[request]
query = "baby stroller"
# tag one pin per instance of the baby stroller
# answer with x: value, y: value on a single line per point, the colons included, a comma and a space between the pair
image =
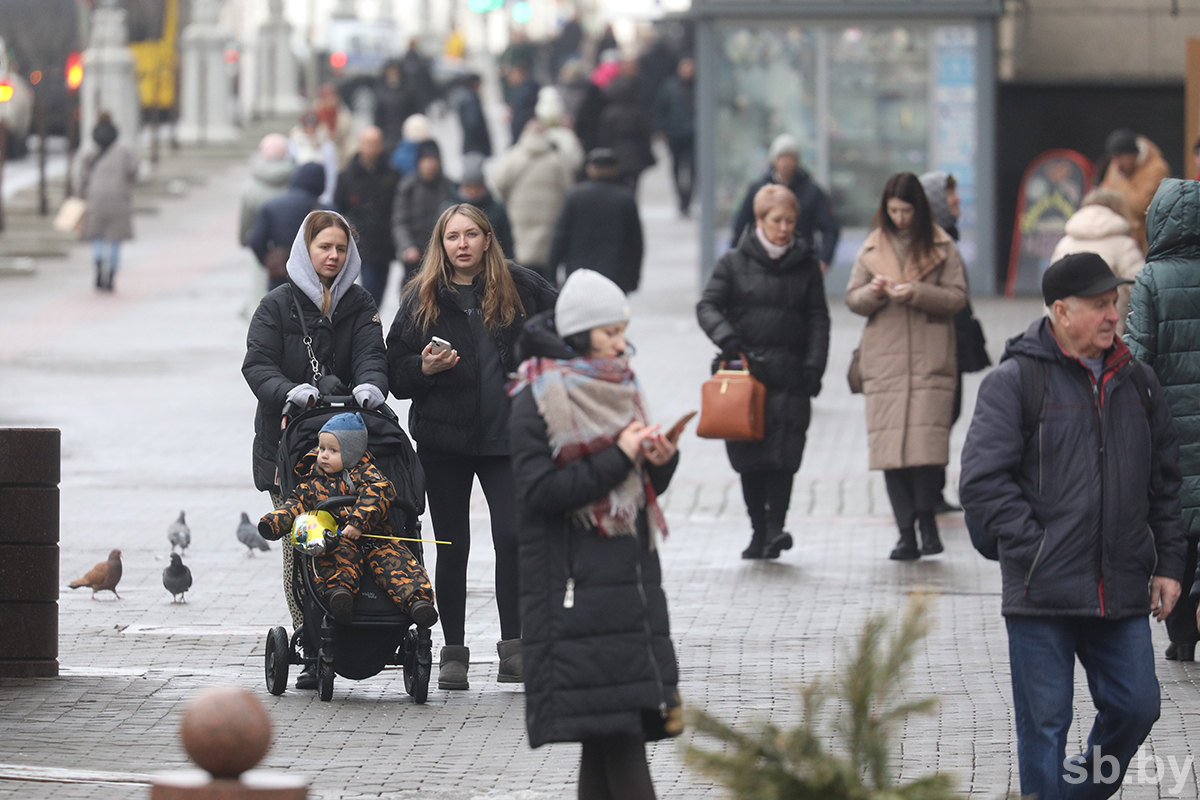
x: 379, y: 634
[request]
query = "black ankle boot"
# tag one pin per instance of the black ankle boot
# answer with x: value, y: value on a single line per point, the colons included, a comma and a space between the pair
x: 1181, y: 652
x: 308, y: 676
x: 931, y: 543
x: 755, y: 548
x: 778, y: 541
x: 906, y: 549
x: 99, y: 274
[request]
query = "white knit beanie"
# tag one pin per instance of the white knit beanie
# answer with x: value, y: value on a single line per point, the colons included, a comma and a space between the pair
x: 589, y: 300
x: 784, y: 143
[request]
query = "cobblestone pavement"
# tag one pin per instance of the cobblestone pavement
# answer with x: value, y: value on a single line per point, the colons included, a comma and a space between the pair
x: 146, y: 388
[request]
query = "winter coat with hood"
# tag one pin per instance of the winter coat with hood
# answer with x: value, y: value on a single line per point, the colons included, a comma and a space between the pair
x: 106, y: 177
x: 533, y: 180
x: 348, y: 344
x: 280, y: 219
x: 445, y: 415
x: 908, y: 356
x: 816, y: 214
x: 1100, y: 230
x: 365, y: 196
x: 774, y: 311
x: 415, y: 209
x: 1164, y: 323
x: 625, y: 128
x: 605, y: 665
x: 268, y: 180
x: 1139, y: 188
x: 1080, y: 521
x: 600, y: 229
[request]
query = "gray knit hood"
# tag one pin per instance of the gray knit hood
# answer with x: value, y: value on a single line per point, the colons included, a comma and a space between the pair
x: 934, y: 184
x: 300, y: 269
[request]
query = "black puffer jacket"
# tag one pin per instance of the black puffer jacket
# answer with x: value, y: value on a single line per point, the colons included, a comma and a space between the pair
x: 600, y: 229
x: 280, y: 218
x: 365, y: 196
x: 1081, y: 528
x: 350, y: 346
x: 606, y: 665
x: 775, y: 312
x: 445, y: 412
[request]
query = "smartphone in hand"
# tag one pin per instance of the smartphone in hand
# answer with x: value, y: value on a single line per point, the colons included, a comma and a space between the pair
x: 438, y: 346
x: 676, y: 430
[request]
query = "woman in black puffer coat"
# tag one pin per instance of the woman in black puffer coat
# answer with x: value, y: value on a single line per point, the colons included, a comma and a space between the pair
x: 468, y: 295
x: 600, y: 668
x: 766, y: 300
x: 347, y: 341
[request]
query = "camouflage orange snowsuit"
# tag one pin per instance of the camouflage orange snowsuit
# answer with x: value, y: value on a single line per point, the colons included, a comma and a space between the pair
x: 394, y: 567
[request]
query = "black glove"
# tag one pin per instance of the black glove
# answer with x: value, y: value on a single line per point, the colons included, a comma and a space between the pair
x: 732, y: 349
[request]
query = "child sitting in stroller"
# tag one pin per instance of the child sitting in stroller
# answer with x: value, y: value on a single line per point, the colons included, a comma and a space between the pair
x: 341, y: 466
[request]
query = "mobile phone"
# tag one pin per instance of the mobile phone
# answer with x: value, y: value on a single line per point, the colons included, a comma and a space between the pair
x: 439, y: 345
x: 677, y: 429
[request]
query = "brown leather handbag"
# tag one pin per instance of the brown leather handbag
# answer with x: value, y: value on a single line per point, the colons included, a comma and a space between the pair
x: 732, y: 405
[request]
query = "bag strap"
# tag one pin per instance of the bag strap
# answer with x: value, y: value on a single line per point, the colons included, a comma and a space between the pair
x: 745, y: 364
x: 1146, y: 396
x: 1033, y: 394
x: 313, y: 363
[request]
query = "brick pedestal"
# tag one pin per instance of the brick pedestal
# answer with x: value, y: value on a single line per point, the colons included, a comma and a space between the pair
x: 257, y: 784
x: 29, y: 476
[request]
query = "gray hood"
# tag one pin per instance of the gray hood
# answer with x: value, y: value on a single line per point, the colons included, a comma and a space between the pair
x: 275, y: 174
x: 934, y: 184
x: 302, y: 273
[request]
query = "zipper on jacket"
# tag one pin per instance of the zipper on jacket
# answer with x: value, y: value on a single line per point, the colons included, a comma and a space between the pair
x: 662, y: 691
x: 569, y: 594
x: 1036, y: 557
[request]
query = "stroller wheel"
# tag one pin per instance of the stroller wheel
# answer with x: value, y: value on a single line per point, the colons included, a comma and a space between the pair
x: 418, y: 664
x: 324, y: 678
x: 277, y: 657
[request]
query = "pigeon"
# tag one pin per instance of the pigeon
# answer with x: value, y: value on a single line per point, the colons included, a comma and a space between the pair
x: 179, y: 533
x: 103, y: 577
x: 248, y: 535
x: 177, y: 579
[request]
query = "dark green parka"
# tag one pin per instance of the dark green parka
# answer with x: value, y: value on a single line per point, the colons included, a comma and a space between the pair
x: 1164, y: 323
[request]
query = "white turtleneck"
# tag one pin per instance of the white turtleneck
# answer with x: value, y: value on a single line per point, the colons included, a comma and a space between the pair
x: 774, y: 251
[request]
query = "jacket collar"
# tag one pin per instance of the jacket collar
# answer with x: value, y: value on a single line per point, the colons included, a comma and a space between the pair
x: 879, y: 256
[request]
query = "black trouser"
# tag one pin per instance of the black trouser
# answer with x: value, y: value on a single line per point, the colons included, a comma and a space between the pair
x: 767, y: 494
x: 913, y: 491
x: 1181, y: 622
x: 683, y: 165
x: 448, y: 485
x: 615, y: 768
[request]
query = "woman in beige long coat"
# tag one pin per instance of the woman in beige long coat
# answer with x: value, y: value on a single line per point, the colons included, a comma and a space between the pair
x: 908, y: 281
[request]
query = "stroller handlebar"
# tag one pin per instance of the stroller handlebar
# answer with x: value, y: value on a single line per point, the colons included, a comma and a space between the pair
x: 324, y: 400
x: 336, y: 502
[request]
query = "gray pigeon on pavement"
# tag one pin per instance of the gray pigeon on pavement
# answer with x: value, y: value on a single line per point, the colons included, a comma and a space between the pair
x: 177, y: 579
x: 248, y: 535
x: 179, y: 533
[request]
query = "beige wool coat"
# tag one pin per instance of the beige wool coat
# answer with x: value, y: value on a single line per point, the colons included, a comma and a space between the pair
x: 908, y: 357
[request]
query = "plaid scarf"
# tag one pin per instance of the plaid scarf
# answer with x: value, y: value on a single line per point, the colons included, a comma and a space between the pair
x: 586, y: 403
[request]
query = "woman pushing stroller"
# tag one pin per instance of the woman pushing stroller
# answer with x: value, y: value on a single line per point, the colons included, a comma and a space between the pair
x: 341, y: 466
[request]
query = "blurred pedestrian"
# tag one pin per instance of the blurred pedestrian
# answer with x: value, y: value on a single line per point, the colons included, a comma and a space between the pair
x: 908, y: 281
x: 419, y: 197
x: 588, y: 468
x: 599, y: 227
x: 476, y: 137
x: 675, y: 119
x: 520, y: 52
x: 941, y: 189
x: 269, y: 176
x: 766, y: 302
x: 1164, y: 332
x: 608, y: 42
x: 394, y: 104
x: 1102, y: 226
x: 1136, y: 166
x: 523, y: 97
x: 108, y: 169
x: 568, y: 44
x: 468, y: 295
x: 416, y: 129
x: 533, y: 179
x: 657, y: 62
x: 816, y: 213
x: 608, y: 68
x: 584, y: 102
x: 473, y: 189
x: 625, y: 129
x: 309, y: 143
x: 278, y: 220
x: 337, y: 120
x: 365, y: 192
x: 419, y: 75
x: 340, y: 329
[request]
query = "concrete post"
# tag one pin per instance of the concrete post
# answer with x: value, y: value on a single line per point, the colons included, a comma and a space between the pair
x: 29, y: 476
x: 278, y: 76
x: 109, y: 81
x: 206, y: 102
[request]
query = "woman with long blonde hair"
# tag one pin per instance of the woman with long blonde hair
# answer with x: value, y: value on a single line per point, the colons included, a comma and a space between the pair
x: 450, y: 350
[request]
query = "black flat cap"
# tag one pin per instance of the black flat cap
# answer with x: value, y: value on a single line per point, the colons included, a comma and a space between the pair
x: 1078, y: 275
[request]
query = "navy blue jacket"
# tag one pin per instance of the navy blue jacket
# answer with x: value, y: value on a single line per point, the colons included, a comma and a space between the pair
x: 815, y: 213
x: 1080, y: 526
x: 280, y: 218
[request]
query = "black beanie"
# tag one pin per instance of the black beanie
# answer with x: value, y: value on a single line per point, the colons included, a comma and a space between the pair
x: 429, y: 149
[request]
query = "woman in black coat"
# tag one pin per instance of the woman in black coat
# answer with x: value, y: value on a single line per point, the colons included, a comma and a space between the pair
x: 320, y: 298
x: 600, y: 668
x: 466, y: 294
x: 766, y: 301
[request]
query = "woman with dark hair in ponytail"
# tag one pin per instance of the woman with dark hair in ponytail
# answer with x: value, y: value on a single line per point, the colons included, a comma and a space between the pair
x: 908, y: 282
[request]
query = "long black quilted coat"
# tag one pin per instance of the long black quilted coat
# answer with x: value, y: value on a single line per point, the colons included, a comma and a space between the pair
x: 1164, y: 323
x: 776, y: 309
x: 605, y: 665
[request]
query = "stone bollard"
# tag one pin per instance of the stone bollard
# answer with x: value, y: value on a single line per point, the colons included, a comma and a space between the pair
x: 29, y: 475
x: 227, y: 731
